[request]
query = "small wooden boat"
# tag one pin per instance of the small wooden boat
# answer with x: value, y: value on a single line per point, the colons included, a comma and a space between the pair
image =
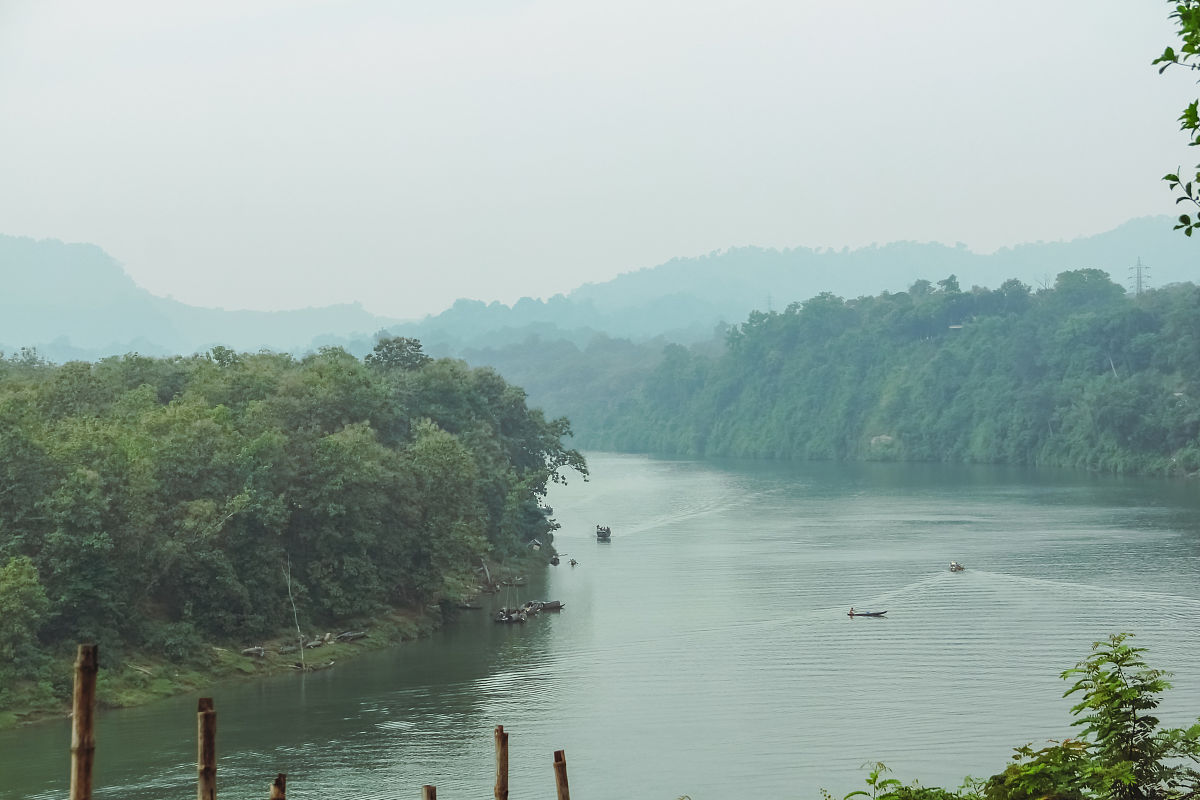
x: 551, y: 605
x: 854, y: 613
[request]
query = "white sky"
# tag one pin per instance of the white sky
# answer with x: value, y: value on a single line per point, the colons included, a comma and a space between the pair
x: 284, y: 153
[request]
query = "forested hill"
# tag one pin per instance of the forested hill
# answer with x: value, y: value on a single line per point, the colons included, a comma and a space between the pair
x: 154, y: 505
x: 684, y: 299
x: 74, y: 301
x: 1079, y: 374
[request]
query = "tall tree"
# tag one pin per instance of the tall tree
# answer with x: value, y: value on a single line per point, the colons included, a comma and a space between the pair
x: 23, y: 606
x: 397, y: 352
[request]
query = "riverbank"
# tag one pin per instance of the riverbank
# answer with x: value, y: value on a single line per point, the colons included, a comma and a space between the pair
x: 137, y: 677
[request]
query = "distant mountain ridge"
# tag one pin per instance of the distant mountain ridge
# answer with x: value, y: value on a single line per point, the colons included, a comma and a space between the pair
x: 683, y: 299
x: 74, y: 301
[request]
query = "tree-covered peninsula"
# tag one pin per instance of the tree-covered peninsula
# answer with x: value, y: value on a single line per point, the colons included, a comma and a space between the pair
x: 157, y: 506
x: 1079, y: 373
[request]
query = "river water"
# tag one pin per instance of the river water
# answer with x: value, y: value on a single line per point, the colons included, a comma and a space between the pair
x: 706, y: 649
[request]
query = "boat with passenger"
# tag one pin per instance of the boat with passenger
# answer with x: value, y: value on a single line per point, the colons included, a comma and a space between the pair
x: 956, y: 567
x: 854, y: 613
x: 603, y: 533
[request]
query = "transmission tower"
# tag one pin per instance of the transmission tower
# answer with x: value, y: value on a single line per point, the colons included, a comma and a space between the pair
x: 1139, y: 273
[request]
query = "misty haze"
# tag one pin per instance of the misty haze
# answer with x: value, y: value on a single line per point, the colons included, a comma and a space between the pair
x: 655, y: 401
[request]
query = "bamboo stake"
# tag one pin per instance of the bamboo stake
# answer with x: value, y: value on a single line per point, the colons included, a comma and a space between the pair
x: 83, y: 735
x: 295, y: 617
x: 279, y: 787
x: 428, y: 793
x: 206, y: 750
x: 501, y: 763
x: 560, y: 775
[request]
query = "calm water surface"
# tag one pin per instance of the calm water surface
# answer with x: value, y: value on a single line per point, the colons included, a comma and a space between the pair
x: 706, y: 650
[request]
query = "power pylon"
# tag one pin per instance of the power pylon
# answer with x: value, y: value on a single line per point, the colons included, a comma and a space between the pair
x: 1139, y: 273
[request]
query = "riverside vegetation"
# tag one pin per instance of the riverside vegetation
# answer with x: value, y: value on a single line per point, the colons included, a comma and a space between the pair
x: 1122, y: 752
x: 159, y: 507
x: 1079, y: 373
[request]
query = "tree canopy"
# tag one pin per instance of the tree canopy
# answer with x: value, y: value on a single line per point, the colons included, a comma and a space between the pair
x: 153, y: 503
x: 1078, y: 373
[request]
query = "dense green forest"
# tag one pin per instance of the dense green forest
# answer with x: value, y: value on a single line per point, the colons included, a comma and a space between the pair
x: 153, y: 505
x: 1079, y: 374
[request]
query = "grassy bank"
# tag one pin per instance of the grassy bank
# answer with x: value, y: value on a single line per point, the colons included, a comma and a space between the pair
x: 139, y: 677
x: 135, y: 678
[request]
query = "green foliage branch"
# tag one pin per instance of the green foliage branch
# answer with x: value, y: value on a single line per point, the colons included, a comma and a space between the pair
x: 1186, y: 15
x: 1122, y: 752
x: 1132, y: 758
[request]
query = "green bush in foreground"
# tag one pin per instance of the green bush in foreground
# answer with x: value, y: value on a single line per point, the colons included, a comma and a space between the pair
x: 1121, y: 752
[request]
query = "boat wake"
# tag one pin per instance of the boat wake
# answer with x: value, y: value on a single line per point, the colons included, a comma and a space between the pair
x: 687, y: 513
x: 1099, y: 592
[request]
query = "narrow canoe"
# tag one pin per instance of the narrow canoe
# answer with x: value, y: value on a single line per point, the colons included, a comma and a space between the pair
x: 866, y: 613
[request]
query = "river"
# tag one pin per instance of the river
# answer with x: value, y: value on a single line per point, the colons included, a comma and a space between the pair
x: 706, y: 649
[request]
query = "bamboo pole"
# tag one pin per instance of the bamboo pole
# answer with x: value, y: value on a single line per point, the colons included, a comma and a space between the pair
x: 428, y: 793
x: 279, y: 787
x: 83, y: 735
x: 501, y: 792
x: 560, y: 775
x: 206, y: 750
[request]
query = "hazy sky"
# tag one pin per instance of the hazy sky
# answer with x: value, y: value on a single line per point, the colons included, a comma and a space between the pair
x: 278, y: 154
